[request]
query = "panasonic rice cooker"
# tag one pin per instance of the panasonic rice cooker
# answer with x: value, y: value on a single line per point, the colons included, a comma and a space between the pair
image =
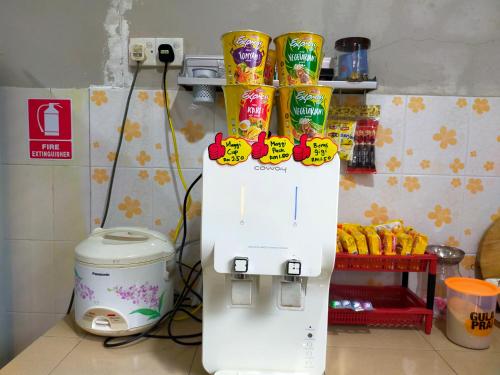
x: 123, y: 280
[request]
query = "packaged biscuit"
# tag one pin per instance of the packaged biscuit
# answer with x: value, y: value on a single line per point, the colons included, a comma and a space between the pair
x: 359, y: 238
x: 388, y: 241
x: 394, y: 226
x: 347, y: 241
x: 419, y: 244
x: 373, y: 240
x: 341, y: 132
x: 404, y: 243
x: 339, y: 245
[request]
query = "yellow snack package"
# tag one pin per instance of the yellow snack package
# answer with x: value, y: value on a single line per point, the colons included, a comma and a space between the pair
x: 373, y: 240
x: 404, y: 243
x: 347, y: 241
x: 419, y: 245
x: 359, y: 238
x: 341, y: 132
x: 394, y: 226
x: 339, y: 245
x: 388, y: 241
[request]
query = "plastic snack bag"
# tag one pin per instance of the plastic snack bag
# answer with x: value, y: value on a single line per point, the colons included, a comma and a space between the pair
x: 346, y: 304
x: 341, y: 126
x: 363, y: 155
x: 359, y: 238
x: 404, y: 243
x: 347, y: 241
x: 373, y: 240
x: 335, y: 304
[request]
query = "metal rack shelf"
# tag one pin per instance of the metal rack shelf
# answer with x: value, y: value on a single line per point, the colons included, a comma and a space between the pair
x: 339, y: 86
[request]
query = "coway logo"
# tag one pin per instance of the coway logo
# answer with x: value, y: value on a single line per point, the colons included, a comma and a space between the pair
x: 269, y: 168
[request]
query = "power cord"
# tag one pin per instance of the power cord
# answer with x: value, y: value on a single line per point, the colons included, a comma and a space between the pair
x: 115, y: 163
x: 113, y: 342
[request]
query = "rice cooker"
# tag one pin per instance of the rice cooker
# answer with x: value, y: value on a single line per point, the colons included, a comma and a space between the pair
x: 123, y: 280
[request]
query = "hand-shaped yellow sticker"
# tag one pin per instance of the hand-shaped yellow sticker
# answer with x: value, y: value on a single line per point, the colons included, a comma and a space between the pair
x: 323, y: 150
x: 280, y: 150
x: 237, y: 151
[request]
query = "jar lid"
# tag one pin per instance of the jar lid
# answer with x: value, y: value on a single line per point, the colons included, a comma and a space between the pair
x: 123, y: 246
x: 352, y: 44
x: 474, y: 287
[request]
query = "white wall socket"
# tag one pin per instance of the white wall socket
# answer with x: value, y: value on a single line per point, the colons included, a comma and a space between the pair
x: 152, y: 50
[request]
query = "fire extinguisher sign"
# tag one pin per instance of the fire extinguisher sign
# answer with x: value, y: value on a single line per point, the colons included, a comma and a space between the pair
x: 49, y: 122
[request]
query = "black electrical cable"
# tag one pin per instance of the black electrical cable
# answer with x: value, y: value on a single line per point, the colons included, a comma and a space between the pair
x: 115, y: 162
x: 120, y: 141
x: 113, y: 342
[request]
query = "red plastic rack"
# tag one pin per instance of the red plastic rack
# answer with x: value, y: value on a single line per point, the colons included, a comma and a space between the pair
x: 393, y: 305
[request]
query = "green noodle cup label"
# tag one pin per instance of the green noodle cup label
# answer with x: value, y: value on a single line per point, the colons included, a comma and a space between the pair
x: 299, y: 58
x: 303, y: 110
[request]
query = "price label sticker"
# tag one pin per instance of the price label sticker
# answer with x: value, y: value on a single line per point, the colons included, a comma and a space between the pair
x: 280, y: 150
x: 237, y: 150
x: 323, y: 150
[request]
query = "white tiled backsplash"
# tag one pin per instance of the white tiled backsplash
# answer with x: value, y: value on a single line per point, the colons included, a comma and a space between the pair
x: 438, y: 160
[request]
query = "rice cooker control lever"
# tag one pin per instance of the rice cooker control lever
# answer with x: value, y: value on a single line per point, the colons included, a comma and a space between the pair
x: 240, y: 265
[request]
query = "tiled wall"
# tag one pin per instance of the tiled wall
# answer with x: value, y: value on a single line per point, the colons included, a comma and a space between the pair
x: 438, y: 160
x: 46, y: 212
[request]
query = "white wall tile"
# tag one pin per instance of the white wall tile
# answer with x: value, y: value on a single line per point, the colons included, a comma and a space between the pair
x: 30, y: 276
x: 166, y: 210
x: 390, y: 134
x: 372, y: 198
x: 426, y: 117
x: 14, y: 120
x: 28, y: 202
x: 64, y: 258
x: 80, y: 122
x: 483, y: 153
x: 480, y: 209
x: 71, y: 203
x: 427, y: 193
x: 14, y: 123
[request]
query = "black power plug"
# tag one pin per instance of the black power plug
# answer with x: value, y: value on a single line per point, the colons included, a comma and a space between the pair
x: 166, y: 53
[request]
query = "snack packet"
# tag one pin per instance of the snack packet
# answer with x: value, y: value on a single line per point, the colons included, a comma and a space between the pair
x: 347, y: 241
x: 335, y: 304
x: 404, y: 243
x: 367, y: 306
x: 419, y: 244
x: 363, y: 154
x: 346, y: 304
x: 341, y: 131
x: 394, y: 226
x: 359, y: 238
x: 388, y: 241
x: 373, y: 240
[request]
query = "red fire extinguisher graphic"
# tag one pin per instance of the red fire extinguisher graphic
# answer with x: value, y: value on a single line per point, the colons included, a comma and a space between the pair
x: 50, y: 124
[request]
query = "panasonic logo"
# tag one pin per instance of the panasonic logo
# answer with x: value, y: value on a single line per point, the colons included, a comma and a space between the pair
x: 269, y: 168
x: 100, y: 274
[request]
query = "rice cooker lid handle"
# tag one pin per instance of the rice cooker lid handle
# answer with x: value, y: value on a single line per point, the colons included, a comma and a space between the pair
x: 127, y: 234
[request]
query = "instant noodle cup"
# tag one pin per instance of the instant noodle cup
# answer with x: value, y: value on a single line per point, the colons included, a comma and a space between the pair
x: 299, y: 56
x: 303, y: 110
x: 270, y: 66
x: 245, y: 54
x: 248, y: 110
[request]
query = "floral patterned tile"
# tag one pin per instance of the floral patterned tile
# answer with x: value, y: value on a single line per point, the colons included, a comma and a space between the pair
x: 166, y: 206
x: 131, y: 199
x: 146, y: 130
x: 433, y: 205
x: 194, y: 128
x: 483, y: 156
x: 435, y: 135
x: 369, y: 199
x: 390, y: 133
x: 480, y: 208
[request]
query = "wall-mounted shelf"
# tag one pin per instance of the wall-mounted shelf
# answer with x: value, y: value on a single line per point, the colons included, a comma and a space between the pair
x: 339, y: 86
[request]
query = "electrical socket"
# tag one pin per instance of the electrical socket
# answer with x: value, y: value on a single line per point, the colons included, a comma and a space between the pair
x: 178, y: 46
x: 151, y: 51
